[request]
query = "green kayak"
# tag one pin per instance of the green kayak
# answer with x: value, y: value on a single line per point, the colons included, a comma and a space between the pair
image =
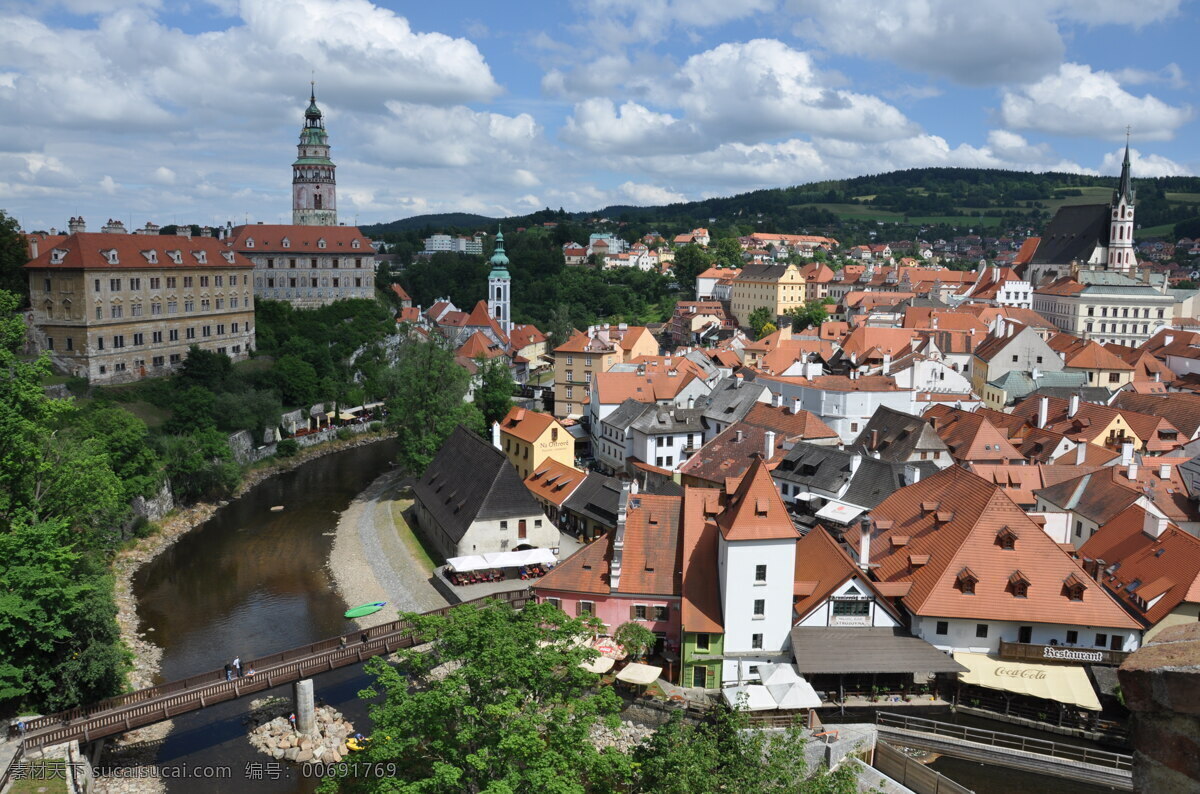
x: 365, y: 609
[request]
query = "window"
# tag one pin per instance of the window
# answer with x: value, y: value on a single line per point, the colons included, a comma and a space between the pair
x: 206, y: 330
x: 537, y: 523
x: 981, y: 630
x: 555, y: 602
x: 1014, y: 359
x: 1114, y: 377
x: 313, y: 262
x: 1025, y: 634
x: 187, y: 282
x: 135, y: 283
x: 70, y: 343
x: 119, y: 341
x: 760, y: 573
x: 158, y: 361
x: 117, y: 311
x: 585, y: 608
x: 234, y: 327
x: 358, y: 282
x: 114, y: 285
x: 756, y: 642
x: 943, y: 627
x: 170, y: 282
x: 660, y: 612
x: 99, y: 312
x: 504, y: 525
x: 49, y: 343
x: 191, y: 333
x: 1101, y: 640
x: 358, y: 262
x: 271, y: 264
x: 135, y: 310
x: 139, y: 340
x: 1072, y: 637
x: 702, y: 642
x: 205, y: 304
x: 155, y: 309
x: 292, y: 263
x: 96, y: 285
x: 173, y: 335
x: 220, y: 304
x: 637, y: 612
x: 760, y: 607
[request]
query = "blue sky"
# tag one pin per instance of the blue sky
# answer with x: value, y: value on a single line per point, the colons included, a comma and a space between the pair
x: 156, y: 110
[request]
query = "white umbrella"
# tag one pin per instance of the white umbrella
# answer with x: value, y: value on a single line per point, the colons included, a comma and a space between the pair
x: 752, y: 697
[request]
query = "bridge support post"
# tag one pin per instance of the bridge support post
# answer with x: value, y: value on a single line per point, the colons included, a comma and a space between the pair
x: 306, y: 710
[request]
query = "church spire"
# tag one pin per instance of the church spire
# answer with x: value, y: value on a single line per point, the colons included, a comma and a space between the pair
x: 1125, y: 187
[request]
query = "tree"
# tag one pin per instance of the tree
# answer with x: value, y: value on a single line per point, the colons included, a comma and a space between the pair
x: 767, y: 330
x: 206, y: 368
x: 425, y: 402
x: 635, y: 638
x: 690, y: 261
x: 298, y: 382
x: 728, y: 252
x: 559, y: 328
x: 14, y: 253
x: 758, y: 319
x: 493, y: 395
x: 811, y: 314
x: 200, y: 465
x: 193, y: 409
x: 500, y: 704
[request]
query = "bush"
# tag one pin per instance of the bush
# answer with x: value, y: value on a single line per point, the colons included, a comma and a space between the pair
x: 287, y: 448
x: 376, y: 427
x: 142, y: 527
x: 344, y: 433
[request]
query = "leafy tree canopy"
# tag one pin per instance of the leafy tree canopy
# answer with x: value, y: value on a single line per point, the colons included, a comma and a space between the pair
x: 759, y: 319
x: 493, y: 395
x: 14, y: 253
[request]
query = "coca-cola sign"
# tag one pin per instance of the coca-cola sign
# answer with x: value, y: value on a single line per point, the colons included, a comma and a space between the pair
x: 1019, y: 672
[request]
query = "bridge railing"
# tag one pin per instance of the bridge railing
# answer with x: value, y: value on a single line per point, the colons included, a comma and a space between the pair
x: 1011, y: 741
x: 303, y: 654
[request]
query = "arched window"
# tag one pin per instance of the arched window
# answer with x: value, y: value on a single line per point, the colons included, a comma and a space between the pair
x: 499, y: 293
x: 317, y: 201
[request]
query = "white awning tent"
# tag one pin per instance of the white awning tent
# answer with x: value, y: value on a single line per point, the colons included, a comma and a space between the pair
x: 638, y: 673
x: 501, y: 559
x: 601, y: 664
x: 752, y: 697
x: 840, y: 512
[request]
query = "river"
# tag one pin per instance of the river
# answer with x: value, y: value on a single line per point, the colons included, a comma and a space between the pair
x: 250, y: 582
x: 246, y: 583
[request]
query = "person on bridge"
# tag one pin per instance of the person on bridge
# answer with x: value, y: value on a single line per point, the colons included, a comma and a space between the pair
x: 365, y: 637
x: 250, y: 672
x: 237, y: 666
x: 228, y: 672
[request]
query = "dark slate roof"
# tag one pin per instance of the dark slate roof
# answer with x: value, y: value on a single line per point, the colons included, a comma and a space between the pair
x: 814, y: 466
x: 662, y: 487
x: 1088, y: 394
x: 596, y: 498
x: 876, y: 480
x: 1074, y: 233
x: 897, y: 435
x: 667, y: 419
x: 761, y: 273
x: 626, y: 413
x: 866, y: 650
x: 470, y: 480
x: 728, y: 402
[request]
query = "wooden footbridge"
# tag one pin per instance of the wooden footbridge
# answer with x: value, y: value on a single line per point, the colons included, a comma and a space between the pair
x: 1071, y: 761
x: 157, y: 703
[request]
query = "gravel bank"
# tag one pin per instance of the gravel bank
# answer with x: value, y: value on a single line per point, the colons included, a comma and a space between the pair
x: 369, y: 562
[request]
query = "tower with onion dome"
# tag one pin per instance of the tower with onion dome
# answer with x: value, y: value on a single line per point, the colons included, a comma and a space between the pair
x: 314, y: 189
x: 500, y: 287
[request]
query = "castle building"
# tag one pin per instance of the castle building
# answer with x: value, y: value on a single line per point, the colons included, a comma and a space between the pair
x: 314, y: 189
x: 116, y: 307
x: 307, y: 265
x: 500, y: 287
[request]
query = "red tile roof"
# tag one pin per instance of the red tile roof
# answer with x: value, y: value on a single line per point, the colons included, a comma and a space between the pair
x: 553, y: 481
x: 86, y: 250
x: 822, y: 566
x: 525, y: 424
x: 755, y: 511
x: 968, y: 540
x: 301, y: 239
x: 400, y: 293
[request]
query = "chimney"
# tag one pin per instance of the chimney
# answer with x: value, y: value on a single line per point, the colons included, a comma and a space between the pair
x: 776, y: 400
x: 855, y: 462
x: 887, y: 363
x: 1043, y: 411
x: 33, y: 247
x: 737, y: 436
x: 874, y: 442
x: 614, y: 567
x: 1080, y: 453
x: 864, y: 545
x: 1164, y: 471
x: 1132, y: 471
x: 496, y: 435
x: 1126, y: 453
x: 1073, y: 407
x: 1154, y: 525
x: 912, y: 473
x: 76, y: 225
x: 769, y: 445
x: 691, y: 401
x: 795, y: 406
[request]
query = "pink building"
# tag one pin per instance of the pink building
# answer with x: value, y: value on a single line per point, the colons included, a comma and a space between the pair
x: 629, y: 574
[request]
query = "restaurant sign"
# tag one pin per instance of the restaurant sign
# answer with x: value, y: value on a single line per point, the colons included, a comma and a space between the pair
x: 1072, y: 654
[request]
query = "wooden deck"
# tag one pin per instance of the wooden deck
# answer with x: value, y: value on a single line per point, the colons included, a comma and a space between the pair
x: 155, y: 704
x: 1070, y: 761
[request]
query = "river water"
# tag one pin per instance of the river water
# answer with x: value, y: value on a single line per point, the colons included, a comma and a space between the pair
x: 247, y: 583
x: 251, y: 582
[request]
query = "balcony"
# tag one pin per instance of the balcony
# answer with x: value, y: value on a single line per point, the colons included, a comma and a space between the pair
x: 1063, y: 654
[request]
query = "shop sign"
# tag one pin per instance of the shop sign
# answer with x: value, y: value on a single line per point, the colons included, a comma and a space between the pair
x: 1072, y: 654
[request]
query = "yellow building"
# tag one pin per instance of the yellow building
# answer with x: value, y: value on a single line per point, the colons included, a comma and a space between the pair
x: 115, y: 307
x: 778, y: 288
x: 578, y: 360
x: 528, y: 439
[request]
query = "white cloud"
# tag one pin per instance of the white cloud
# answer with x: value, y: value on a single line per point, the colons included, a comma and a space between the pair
x: 1143, y: 166
x: 1170, y: 75
x: 655, y: 20
x: 637, y: 193
x: 597, y: 125
x: 164, y: 175
x: 108, y: 185
x: 1079, y: 101
x: 458, y: 137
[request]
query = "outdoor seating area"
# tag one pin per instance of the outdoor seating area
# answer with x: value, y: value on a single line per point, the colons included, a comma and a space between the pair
x: 781, y: 687
x: 498, y: 566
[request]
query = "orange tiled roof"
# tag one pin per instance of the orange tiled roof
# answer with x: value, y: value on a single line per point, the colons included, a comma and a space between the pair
x: 525, y: 335
x: 1020, y: 481
x: 755, y: 511
x: 525, y: 424
x: 554, y: 482
x: 954, y: 519
x: 971, y: 437
x: 85, y: 250
x: 400, y: 293
x: 301, y: 239
x: 701, y: 603
x: 617, y: 387
x: 822, y: 566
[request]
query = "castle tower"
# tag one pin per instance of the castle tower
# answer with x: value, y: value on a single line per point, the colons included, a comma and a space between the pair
x: 500, y: 287
x: 314, y: 196
x: 1121, y: 256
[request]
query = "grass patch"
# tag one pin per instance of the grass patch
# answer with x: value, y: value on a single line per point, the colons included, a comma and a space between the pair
x: 427, y: 558
x: 152, y: 415
x: 1166, y: 230
x: 1186, y: 198
x: 42, y: 776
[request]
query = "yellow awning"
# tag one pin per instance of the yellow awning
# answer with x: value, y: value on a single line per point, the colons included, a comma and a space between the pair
x: 638, y: 673
x: 1062, y: 682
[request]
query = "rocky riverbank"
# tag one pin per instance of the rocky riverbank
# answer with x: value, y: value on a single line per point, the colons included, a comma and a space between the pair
x: 275, y: 736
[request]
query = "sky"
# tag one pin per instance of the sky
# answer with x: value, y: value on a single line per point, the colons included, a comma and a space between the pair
x: 152, y: 110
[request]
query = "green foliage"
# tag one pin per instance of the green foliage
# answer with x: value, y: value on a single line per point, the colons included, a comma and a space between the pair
x: 514, y: 712
x: 728, y: 252
x: 812, y: 314
x: 690, y: 261
x: 635, y: 638
x: 125, y: 439
x: 195, y: 408
x: 199, y: 465
x: 287, y: 448
x: 14, y: 253
x: 297, y: 380
x: 206, y: 368
x: 425, y: 402
x: 767, y: 330
x: 559, y: 328
x: 493, y: 395
x: 759, y: 319
x: 1186, y: 283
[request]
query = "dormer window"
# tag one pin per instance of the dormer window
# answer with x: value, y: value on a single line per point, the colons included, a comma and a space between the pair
x: 176, y: 256
x: 321, y: 243
x: 354, y: 244
x: 1073, y: 587
x: 287, y: 243
x: 249, y: 242
x: 1018, y: 585
x: 966, y: 581
x: 228, y: 256
x: 151, y: 256
x: 1006, y: 538
x: 111, y: 256
x: 57, y: 255
x: 201, y: 257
